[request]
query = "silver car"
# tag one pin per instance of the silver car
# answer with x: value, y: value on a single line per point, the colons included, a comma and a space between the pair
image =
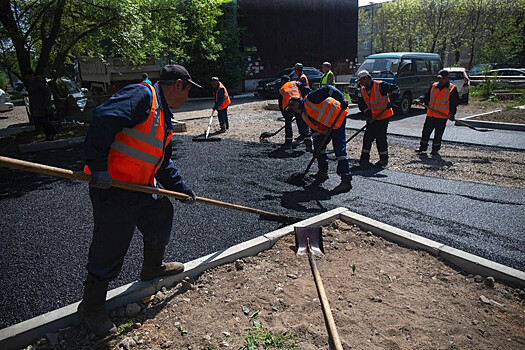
x: 5, y: 102
x: 459, y: 77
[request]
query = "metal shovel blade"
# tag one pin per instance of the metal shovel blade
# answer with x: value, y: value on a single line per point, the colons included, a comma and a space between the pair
x: 309, y: 238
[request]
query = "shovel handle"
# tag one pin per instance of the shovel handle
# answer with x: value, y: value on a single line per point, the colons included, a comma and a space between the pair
x: 327, y: 312
x: 80, y: 176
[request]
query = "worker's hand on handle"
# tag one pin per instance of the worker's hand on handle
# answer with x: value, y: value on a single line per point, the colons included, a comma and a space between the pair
x: 100, y: 179
x: 190, y: 199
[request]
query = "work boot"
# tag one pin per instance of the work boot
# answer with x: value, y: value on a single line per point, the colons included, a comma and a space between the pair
x: 345, y: 185
x: 92, y: 309
x: 287, y: 143
x: 364, y: 161
x: 383, y: 161
x: 227, y: 125
x: 223, y: 128
x: 422, y: 148
x: 153, y: 266
x: 435, y: 152
x: 321, y: 176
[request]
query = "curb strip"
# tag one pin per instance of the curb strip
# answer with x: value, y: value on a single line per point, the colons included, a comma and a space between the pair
x: 48, y: 145
x: 22, y: 334
x: 492, y: 125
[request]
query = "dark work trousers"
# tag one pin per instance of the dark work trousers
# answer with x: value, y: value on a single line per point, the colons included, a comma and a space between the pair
x: 44, y: 123
x: 116, y: 213
x: 223, y: 116
x: 375, y: 130
x: 304, y: 129
x: 339, y: 144
x: 438, y: 126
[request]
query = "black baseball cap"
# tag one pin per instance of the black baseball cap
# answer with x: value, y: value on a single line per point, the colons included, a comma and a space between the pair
x: 176, y: 71
x: 443, y: 73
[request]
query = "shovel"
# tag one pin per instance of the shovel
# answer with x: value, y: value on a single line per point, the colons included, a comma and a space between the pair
x: 457, y: 121
x: 206, y: 138
x: 268, y: 134
x: 309, y: 241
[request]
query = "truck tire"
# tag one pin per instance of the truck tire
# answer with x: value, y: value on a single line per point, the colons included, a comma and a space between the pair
x: 405, y: 104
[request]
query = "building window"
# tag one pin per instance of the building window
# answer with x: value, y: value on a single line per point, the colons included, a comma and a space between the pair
x: 366, y: 45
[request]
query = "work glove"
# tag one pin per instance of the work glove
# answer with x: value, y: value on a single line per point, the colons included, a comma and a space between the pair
x: 190, y: 199
x: 452, y: 117
x: 344, y: 105
x: 100, y: 179
x: 390, y: 104
x: 421, y: 100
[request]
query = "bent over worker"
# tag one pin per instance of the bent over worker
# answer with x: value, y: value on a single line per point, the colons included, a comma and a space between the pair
x: 376, y: 98
x: 289, y: 90
x: 129, y: 140
x: 222, y: 101
x: 325, y: 110
x: 442, y: 100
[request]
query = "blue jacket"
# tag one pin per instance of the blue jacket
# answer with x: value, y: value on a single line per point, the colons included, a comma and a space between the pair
x: 129, y: 107
x: 321, y: 94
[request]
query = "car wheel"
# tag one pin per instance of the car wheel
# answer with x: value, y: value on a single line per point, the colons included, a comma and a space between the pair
x: 404, y: 104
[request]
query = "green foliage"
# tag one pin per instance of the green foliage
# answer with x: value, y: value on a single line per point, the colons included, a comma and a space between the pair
x: 491, y: 30
x: 256, y: 338
x: 125, y: 327
x: 4, y: 81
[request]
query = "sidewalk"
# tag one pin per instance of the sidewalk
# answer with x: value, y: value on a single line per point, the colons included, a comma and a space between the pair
x: 412, y: 126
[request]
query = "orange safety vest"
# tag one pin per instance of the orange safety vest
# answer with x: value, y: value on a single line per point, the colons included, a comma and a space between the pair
x: 325, y: 115
x: 377, y: 102
x: 137, y: 153
x: 440, y: 101
x: 226, y: 101
x: 289, y: 90
x: 305, y: 78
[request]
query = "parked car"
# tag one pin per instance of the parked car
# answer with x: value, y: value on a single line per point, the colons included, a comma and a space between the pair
x: 64, y: 89
x: 480, y: 68
x: 5, y: 102
x: 413, y: 72
x: 508, y: 72
x: 459, y: 77
x: 269, y: 88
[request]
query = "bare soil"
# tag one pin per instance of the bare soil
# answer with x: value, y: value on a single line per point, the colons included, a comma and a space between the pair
x: 459, y: 162
x: 397, y: 299
x: 510, y: 116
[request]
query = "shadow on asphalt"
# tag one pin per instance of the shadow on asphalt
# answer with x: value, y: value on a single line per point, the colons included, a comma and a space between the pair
x: 293, y: 199
x: 433, y: 162
x: 285, y: 152
x: 370, y: 172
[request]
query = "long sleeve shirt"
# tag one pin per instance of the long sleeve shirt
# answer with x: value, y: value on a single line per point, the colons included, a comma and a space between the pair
x: 384, y: 89
x: 127, y: 108
x: 453, y: 100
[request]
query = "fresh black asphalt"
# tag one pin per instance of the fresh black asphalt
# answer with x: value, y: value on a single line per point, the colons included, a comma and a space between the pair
x: 46, y: 223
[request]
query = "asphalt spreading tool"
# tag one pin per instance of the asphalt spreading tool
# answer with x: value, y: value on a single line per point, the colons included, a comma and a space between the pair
x: 297, y: 179
x: 80, y: 176
x: 457, y: 121
x: 268, y: 134
x: 206, y: 138
x: 309, y: 241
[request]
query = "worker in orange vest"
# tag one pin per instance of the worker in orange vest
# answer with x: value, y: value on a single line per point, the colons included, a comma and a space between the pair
x: 222, y: 101
x: 377, y: 99
x: 290, y: 89
x: 305, y: 133
x: 325, y: 110
x: 129, y: 140
x: 442, y: 98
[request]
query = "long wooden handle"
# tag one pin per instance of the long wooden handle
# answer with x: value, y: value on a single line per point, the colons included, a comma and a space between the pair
x: 80, y: 176
x: 327, y: 312
x: 457, y: 121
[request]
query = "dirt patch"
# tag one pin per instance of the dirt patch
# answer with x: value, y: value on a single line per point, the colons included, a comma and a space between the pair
x: 511, y: 116
x: 397, y: 299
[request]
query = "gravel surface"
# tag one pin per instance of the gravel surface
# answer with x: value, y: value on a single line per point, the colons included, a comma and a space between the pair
x: 16, y: 117
x: 396, y: 299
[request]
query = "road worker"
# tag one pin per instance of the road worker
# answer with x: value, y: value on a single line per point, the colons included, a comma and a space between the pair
x: 222, y: 101
x: 442, y: 100
x: 305, y: 133
x: 328, y: 77
x: 129, y: 140
x: 376, y: 98
x: 290, y: 89
x: 325, y: 110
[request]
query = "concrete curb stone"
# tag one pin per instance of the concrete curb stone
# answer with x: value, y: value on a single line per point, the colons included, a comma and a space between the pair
x: 492, y: 125
x: 16, y: 130
x: 48, y: 145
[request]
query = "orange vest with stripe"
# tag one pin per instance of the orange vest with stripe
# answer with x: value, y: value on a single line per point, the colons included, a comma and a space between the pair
x: 440, y: 101
x: 137, y: 153
x: 226, y: 101
x: 377, y: 102
x: 289, y: 90
x: 305, y: 78
x: 325, y: 115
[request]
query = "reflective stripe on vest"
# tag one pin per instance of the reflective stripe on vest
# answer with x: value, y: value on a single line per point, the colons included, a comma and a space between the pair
x: 289, y: 90
x: 137, y: 153
x: 226, y: 101
x: 305, y: 78
x: 440, y: 101
x: 377, y: 102
x: 324, y: 115
x: 324, y: 79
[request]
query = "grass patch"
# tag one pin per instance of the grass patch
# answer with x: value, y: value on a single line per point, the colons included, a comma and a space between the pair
x: 125, y: 327
x: 257, y: 337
